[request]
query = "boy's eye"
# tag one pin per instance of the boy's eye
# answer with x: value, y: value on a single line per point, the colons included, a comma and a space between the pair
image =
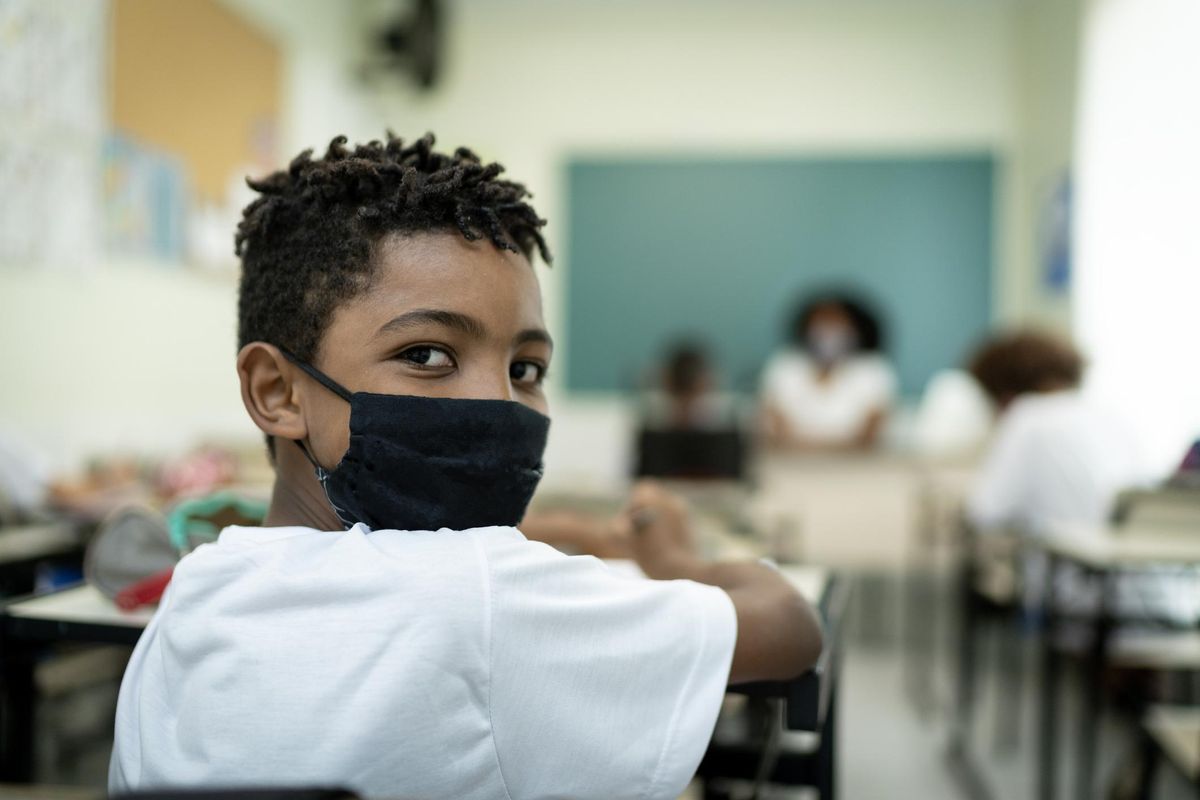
x: 427, y: 356
x: 528, y: 373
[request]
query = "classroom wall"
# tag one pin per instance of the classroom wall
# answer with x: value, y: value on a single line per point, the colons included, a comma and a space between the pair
x: 772, y: 78
x: 124, y: 358
x: 1045, y: 78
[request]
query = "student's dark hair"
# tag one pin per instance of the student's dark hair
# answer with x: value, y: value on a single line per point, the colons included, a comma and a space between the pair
x: 685, y: 366
x: 308, y: 243
x: 1019, y: 362
x: 866, y: 320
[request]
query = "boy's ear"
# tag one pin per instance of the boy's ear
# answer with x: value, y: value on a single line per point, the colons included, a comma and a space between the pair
x: 269, y: 392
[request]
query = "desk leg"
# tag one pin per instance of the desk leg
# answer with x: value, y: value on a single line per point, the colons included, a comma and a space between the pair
x: 967, y: 639
x: 1093, y: 699
x: 1048, y: 728
x: 827, y: 752
x: 17, y: 697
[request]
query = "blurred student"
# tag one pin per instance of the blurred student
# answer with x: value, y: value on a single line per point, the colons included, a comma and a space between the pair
x: 1059, y: 460
x: 687, y: 397
x: 831, y: 388
x: 688, y: 430
x: 1056, y: 456
x: 389, y: 630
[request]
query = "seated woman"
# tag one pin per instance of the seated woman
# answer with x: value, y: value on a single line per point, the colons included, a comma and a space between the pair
x: 831, y: 388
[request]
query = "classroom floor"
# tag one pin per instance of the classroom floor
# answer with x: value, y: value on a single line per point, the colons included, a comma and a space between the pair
x: 887, y: 748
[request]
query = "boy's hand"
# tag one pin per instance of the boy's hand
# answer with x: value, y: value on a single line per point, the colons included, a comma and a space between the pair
x: 778, y: 634
x: 659, y: 532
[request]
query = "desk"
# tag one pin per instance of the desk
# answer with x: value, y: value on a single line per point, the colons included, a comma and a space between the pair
x: 1103, y: 553
x: 22, y: 547
x: 20, y: 543
x: 809, y: 703
x: 850, y: 510
x: 78, y: 614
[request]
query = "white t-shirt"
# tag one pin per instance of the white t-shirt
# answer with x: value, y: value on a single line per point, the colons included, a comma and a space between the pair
x: 472, y: 664
x: 1059, y: 459
x: 834, y: 410
x: 1056, y: 458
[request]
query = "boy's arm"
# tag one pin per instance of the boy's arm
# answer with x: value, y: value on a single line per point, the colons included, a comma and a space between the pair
x: 778, y: 634
x: 575, y: 532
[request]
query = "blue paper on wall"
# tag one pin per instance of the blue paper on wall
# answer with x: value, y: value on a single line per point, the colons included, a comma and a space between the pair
x: 145, y: 201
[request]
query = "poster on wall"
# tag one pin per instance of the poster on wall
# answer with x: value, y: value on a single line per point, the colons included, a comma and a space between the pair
x: 52, y: 77
x: 145, y: 202
x: 1055, y: 237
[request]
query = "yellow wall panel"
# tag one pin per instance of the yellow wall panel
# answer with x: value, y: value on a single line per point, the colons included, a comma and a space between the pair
x: 192, y: 78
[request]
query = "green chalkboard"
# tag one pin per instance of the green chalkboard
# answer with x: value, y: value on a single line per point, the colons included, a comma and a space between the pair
x: 722, y: 249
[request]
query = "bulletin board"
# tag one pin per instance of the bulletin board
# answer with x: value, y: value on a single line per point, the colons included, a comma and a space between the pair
x: 721, y: 250
x: 193, y: 79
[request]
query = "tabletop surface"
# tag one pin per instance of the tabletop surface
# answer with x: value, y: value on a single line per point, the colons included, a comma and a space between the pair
x: 81, y: 604
x: 24, y: 542
x: 1128, y: 546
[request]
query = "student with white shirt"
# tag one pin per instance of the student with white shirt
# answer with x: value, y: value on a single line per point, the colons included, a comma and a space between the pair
x: 831, y: 388
x: 1056, y: 456
x: 389, y: 630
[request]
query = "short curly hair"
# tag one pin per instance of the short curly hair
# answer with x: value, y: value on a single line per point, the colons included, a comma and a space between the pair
x: 866, y: 320
x: 308, y: 243
x: 1023, y: 361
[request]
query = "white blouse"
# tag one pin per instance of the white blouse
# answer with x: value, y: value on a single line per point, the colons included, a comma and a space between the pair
x: 828, y: 411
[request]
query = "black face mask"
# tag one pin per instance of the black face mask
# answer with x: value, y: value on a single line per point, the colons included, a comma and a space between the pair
x: 425, y: 463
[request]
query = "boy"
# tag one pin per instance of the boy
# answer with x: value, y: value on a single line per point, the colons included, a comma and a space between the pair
x: 388, y: 630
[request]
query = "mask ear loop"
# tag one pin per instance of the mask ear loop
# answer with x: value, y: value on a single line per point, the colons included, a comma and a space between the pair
x: 341, y: 391
x: 318, y: 376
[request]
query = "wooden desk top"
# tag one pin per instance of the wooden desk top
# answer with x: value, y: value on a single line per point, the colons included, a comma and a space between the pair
x: 81, y: 604
x: 1133, y: 546
x: 27, y: 542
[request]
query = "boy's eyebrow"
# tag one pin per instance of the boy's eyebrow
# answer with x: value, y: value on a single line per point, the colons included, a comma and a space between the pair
x: 460, y: 322
x: 534, y: 335
x: 447, y: 319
